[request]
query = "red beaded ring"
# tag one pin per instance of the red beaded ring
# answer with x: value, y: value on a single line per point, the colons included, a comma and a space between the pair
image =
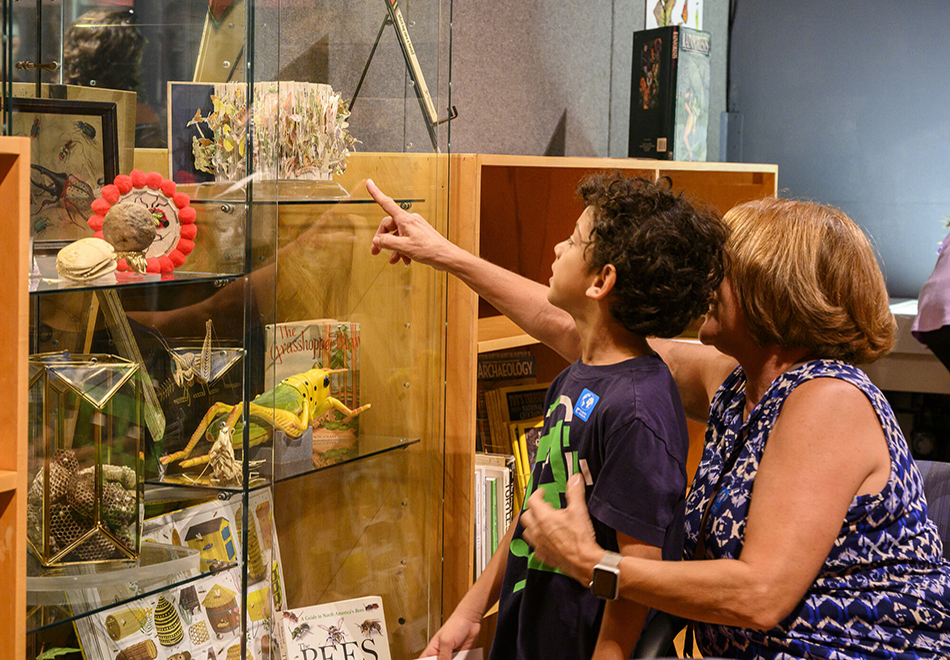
x: 174, y: 217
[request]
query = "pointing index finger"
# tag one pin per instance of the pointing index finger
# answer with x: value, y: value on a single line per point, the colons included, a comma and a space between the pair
x: 386, y: 202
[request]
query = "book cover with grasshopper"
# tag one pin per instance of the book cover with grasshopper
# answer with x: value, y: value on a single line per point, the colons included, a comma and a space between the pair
x: 296, y: 346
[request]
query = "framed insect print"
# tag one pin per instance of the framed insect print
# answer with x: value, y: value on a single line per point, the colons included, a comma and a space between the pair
x: 74, y: 153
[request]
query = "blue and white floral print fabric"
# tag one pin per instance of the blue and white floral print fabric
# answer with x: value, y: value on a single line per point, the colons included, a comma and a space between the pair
x: 883, y: 591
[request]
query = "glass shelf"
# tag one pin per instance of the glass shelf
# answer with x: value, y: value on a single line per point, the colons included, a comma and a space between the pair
x: 368, y: 446
x: 278, y: 192
x: 49, y: 281
x: 178, y: 487
x: 61, y: 594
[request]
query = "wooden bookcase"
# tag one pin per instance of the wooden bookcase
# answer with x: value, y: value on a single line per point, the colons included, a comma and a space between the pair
x: 513, y: 210
x: 14, y: 300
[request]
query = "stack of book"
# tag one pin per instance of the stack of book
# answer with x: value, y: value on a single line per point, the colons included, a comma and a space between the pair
x: 494, y: 504
x: 515, y: 416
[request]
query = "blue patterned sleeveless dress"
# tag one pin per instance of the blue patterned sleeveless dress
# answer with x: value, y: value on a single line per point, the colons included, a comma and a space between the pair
x: 883, y: 591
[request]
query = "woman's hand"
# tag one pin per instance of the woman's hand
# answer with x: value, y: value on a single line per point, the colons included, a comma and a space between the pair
x: 563, y: 538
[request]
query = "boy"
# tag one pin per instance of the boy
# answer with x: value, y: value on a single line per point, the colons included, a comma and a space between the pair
x: 640, y: 262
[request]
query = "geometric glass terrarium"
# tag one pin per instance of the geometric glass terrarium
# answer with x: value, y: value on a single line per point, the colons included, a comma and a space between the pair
x: 85, y: 501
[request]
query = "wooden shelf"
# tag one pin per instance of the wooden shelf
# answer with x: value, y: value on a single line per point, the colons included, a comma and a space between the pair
x: 497, y: 333
x: 513, y: 211
x: 8, y: 481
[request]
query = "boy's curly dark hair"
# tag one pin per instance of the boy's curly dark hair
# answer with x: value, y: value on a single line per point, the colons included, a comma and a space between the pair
x: 103, y: 48
x: 668, y: 251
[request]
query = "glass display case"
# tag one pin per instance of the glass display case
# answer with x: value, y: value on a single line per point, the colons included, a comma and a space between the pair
x: 198, y: 221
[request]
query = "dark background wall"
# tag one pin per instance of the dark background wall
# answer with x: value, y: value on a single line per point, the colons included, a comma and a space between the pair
x: 552, y: 77
x: 850, y: 98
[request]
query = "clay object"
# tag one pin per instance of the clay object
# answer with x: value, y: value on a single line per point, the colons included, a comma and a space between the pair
x: 129, y: 226
x: 86, y: 259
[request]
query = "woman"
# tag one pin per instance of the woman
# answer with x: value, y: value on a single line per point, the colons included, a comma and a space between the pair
x: 831, y: 554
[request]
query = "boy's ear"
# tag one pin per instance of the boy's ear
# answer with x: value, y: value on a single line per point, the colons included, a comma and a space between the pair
x: 603, y: 283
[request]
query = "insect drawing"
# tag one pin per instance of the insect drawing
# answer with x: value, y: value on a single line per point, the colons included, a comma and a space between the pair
x: 371, y: 627
x: 372, y: 606
x: 66, y: 150
x: 290, y: 615
x: 300, y: 631
x: 87, y: 129
x: 335, y: 634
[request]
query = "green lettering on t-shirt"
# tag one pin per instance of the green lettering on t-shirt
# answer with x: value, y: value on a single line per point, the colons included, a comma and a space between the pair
x: 553, y: 450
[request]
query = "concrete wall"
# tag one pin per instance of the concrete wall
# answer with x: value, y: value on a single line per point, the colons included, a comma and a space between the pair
x: 543, y: 77
x: 850, y: 99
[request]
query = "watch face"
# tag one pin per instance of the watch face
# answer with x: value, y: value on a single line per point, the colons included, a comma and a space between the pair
x: 604, y: 584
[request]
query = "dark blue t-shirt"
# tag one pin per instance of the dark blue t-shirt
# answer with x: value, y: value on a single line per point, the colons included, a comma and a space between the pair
x: 622, y: 426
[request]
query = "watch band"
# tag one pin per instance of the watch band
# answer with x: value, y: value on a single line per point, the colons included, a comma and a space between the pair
x: 609, y: 560
x: 605, y: 579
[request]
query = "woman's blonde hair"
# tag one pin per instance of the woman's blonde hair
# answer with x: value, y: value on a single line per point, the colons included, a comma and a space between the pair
x: 806, y: 277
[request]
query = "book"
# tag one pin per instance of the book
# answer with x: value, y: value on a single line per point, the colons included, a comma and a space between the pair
x: 513, y: 404
x: 493, y: 495
x: 529, y: 433
x: 479, y: 521
x: 502, y: 467
x: 495, y: 370
x: 295, y: 347
x: 201, y: 617
x: 669, y: 94
x: 354, y: 629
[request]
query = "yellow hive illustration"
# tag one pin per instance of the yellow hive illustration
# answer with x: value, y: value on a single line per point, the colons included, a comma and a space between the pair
x: 124, y: 623
x: 167, y: 623
x: 222, y: 609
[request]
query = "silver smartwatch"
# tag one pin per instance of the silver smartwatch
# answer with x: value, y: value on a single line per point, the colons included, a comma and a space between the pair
x: 605, y: 583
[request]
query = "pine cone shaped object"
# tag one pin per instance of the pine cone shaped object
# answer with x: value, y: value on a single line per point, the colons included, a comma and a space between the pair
x: 167, y: 623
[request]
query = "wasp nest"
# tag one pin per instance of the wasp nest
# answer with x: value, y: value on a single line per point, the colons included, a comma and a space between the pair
x: 72, y: 509
x: 86, y: 259
x: 130, y: 228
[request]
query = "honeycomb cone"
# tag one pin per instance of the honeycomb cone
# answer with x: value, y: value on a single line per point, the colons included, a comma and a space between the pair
x: 167, y: 623
x: 255, y: 560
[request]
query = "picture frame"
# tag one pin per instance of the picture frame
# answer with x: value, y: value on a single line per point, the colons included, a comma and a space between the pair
x: 125, y: 101
x: 183, y: 99
x: 74, y: 153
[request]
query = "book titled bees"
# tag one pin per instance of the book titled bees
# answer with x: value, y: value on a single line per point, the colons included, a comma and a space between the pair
x: 351, y: 629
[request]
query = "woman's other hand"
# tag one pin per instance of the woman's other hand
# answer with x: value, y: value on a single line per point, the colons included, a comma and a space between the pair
x: 563, y: 538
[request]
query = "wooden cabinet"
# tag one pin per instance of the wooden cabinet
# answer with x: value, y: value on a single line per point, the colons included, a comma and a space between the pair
x: 513, y: 210
x: 14, y: 300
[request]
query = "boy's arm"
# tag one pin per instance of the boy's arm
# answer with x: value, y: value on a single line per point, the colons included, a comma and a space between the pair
x: 624, y: 619
x: 410, y: 238
x: 460, y: 630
